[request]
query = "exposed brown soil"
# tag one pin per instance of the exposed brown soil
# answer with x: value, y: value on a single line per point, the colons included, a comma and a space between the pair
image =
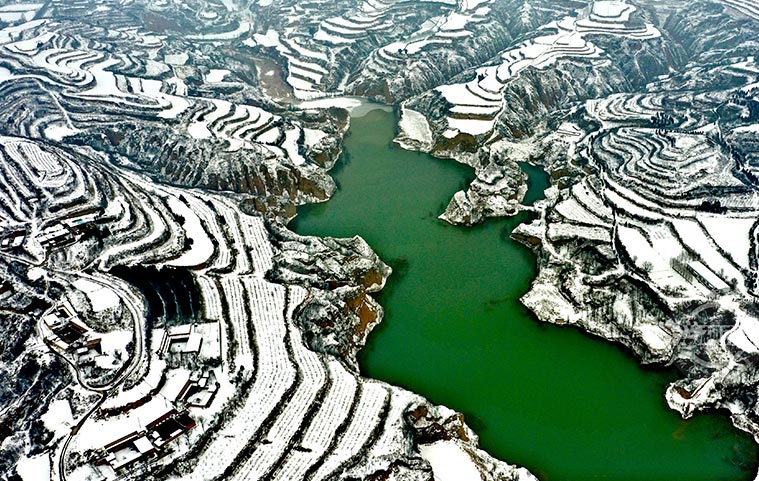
x: 272, y: 79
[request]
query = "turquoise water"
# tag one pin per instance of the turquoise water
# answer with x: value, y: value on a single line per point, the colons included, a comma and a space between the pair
x: 567, y: 406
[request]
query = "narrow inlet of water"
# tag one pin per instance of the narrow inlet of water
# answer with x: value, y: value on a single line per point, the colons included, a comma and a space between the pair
x: 567, y: 406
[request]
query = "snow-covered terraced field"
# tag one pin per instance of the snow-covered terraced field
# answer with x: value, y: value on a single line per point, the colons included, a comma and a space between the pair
x: 297, y: 412
x: 659, y: 226
x: 477, y: 103
x: 450, y: 28
x: 625, y: 107
x: 72, y: 71
x: 392, y: 31
x: 674, y: 166
x: 749, y: 8
x: 170, y: 140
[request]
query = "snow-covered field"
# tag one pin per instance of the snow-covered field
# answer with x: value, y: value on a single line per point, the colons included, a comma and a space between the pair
x: 101, y: 297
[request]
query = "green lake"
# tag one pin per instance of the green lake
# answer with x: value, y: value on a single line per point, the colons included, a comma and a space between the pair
x: 565, y: 405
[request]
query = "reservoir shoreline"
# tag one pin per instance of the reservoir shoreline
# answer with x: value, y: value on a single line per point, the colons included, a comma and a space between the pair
x: 557, y: 401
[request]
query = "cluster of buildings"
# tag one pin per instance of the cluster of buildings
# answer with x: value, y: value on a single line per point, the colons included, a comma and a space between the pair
x: 182, y: 340
x: 65, y: 231
x: 160, y: 413
x: 66, y: 332
x: 137, y: 424
x: 55, y: 234
x: 139, y: 444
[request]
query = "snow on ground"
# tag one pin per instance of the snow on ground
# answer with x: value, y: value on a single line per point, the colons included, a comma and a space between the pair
x: 733, y: 235
x: 20, y: 7
x: 180, y: 88
x: 96, y: 433
x: 8, y: 33
x: 101, y: 297
x: 746, y: 7
x: 458, y: 94
x: 58, y: 418
x: 155, y: 41
x: 312, y: 137
x: 230, y: 5
x: 323, y: 36
x: 472, y: 4
x: 618, y: 11
x: 692, y: 235
x: 202, y: 247
x: 5, y: 74
x: 291, y: 146
x: 304, y: 53
x: 561, y: 230
x: 115, y: 341
x: 176, y: 58
x: 269, y: 137
x: 654, y: 336
x: 753, y: 129
x: 147, y: 384
x: 746, y: 336
x: 449, y: 462
x: 35, y: 273
x: 10, y: 17
x: 210, y: 348
x: 629, y: 201
x: 269, y: 39
x: 303, y: 89
x: 471, y: 126
x: 176, y: 380
x: 155, y: 69
x: 19, y: 12
x: 416, y: 47
x: 199, y: 129
x: 476, y: 110
x: 35, y: 468
x: 217, y: 75
x: 56, y: 132
x: 172, y: 104
x: 456, y: 21
x: 549, y: 304
x: 658, y: 249
x: 572, y: 210
x: 415, y: 126
x: 105, y: 81
x: 639, y: 248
